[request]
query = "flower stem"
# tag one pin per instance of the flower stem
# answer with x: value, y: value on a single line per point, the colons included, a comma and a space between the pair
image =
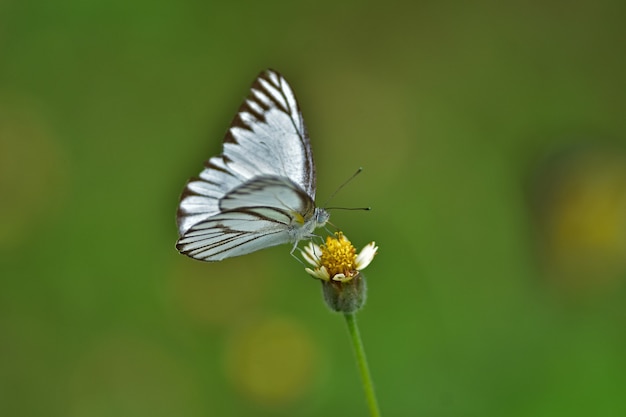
x: 368, y: 386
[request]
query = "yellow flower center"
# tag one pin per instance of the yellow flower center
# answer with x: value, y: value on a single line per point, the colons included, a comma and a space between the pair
x: 338, y: 256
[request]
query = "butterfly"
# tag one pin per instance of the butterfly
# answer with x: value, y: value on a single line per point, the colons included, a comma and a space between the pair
x: 260, y: 191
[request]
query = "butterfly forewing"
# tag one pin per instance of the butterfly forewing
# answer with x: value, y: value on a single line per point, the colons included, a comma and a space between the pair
x: 266, y: 138
x: 260, y: 191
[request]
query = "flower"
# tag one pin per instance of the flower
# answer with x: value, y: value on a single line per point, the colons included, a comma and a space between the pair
x: 338, y: 266
x: 337, y: 259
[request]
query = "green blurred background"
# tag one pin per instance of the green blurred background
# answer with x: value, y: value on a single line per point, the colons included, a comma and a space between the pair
x: 492, y: 136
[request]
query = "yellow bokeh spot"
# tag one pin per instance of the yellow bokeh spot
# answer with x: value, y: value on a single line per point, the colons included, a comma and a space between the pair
x: 584, y: 220
x: 592, y: 214
x: 271, y: 362
x: 33, y: 170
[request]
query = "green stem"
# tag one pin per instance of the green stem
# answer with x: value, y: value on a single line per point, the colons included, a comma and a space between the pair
x: 368, y: 386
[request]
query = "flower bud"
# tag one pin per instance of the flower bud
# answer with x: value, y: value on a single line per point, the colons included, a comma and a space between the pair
x: 345, y: 296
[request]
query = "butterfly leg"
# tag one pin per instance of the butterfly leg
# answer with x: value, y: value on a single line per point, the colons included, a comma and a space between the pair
x: 295, y: 245
x: 314, y: 237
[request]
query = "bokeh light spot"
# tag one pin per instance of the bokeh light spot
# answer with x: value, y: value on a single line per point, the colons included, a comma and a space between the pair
x: 33, y: 170
x: 582, y: 218
x: 271, y: 362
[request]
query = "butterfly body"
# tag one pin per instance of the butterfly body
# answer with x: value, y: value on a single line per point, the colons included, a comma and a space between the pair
x: 260, y: 192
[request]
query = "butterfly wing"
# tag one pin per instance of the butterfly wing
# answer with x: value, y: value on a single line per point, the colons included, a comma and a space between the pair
x: 270, y: 192
x: 232, y: 234
x: 267, y: 138
x: 260, y: 213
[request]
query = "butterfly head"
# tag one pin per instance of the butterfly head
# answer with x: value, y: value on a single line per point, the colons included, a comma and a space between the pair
x: 321, y: 216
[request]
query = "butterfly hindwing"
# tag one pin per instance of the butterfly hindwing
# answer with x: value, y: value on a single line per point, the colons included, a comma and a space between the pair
x: 266, y: 191
x: 257, y: 214
x: 232, y: 234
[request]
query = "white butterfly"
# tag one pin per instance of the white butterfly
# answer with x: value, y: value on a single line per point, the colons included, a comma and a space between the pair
x: 260, y: 192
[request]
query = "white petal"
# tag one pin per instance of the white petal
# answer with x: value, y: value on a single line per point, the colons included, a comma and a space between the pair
x: 364, y: 258
x: 308, y: 258
x: 320, y: 273
x: 341, y: 278
x: 314, y: 249
x: 312, y: 253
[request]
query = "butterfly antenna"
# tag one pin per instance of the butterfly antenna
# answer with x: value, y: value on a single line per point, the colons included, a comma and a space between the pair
x: 349, y: 208
x: 358, y: 171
